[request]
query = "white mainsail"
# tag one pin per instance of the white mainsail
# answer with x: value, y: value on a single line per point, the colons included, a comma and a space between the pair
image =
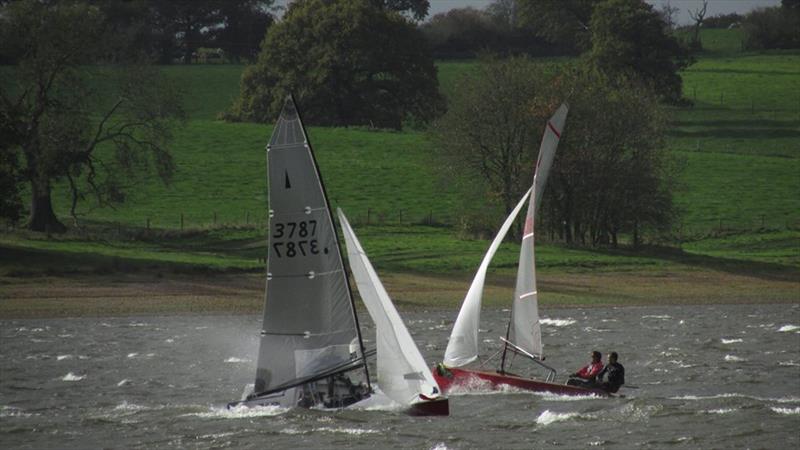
x: 402, y: 372
x: 525, y: 331
x: 462, y: 348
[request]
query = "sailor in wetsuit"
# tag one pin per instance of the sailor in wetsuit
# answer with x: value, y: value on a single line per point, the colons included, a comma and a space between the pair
x: 615, y: 372
x: 586, y: 376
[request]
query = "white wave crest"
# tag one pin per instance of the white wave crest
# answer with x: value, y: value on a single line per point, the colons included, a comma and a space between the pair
x: 234, y: 359
x: 352, y: 431
x: 63, y: 357
x: 557, y: 322
x: 733, y: 358
x: 547, y: 417
x: 72, y: 377
x: 731, y: 341
x: 124, y: 382
x: 133, y: 355
x: 788, y: 363
x: 125, y: 406
x: 720, y: 411
x: 736, y: 395
x: 788, y: 328
x: 240, y: 412
x: 11, y: 411
x: 662, y: 317
x: 439, y: 446
x: 787, y: 411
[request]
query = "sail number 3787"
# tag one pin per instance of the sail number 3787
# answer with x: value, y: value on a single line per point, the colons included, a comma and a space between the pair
x: 297, y: 239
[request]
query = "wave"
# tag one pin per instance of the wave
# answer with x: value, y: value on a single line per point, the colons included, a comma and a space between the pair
x: 133, y: 355
x: 788, y: 328
x: 720, y: 411
x: 731, y: 341
x: 557, y: 322
x: 12, y: 411
x: 234, y: 359
x: 240, y: 412
x: 547, y: 417
x: 125, y: 406
x: 733, y: 358
x: 788, y: 363
x: 124, y: 382
x: 72, y: 377
x: 737, y: 395
x: 652, y: 316
x: 787, y: 411
x: 63, y: 357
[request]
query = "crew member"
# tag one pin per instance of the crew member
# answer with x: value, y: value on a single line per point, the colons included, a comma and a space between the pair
x: 586, y: 376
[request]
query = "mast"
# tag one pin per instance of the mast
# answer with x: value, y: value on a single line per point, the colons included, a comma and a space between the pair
x: 336, y: 232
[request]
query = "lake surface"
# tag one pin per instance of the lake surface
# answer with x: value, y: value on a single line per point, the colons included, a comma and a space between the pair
x: 708, y: 377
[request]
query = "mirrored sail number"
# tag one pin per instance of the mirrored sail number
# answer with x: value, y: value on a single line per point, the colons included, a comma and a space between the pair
x: 296, y: 239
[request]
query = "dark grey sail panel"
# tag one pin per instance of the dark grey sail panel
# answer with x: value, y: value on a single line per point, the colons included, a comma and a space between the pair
x: 309, y: 324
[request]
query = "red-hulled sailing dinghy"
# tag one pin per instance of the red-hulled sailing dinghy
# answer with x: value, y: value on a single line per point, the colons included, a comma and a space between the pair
x: 524, y: 337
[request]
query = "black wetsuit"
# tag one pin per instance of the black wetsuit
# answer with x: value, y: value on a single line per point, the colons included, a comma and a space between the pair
x: 616, y: 376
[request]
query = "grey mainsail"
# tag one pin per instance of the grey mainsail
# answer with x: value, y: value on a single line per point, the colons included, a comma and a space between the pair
x: 310, y: 329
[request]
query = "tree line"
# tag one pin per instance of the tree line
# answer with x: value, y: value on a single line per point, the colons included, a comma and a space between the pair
x: 354, y: 62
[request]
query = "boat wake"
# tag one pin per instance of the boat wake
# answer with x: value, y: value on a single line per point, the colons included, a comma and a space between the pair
x: 240, y: 412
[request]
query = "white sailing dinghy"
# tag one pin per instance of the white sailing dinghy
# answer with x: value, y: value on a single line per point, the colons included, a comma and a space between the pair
x: 524, y: 337
x: 310, y: 350
x: 403, y: 374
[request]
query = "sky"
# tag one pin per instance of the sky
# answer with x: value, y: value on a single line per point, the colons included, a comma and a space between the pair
x: 715, y: 7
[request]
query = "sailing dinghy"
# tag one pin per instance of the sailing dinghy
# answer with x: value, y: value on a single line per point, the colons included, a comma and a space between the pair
x: 403, y: 374
x: 310, y: 352
x: 524, y: 337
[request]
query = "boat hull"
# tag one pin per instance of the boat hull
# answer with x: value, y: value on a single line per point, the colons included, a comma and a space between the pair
x: 433, y: 407
x: 466, y: 379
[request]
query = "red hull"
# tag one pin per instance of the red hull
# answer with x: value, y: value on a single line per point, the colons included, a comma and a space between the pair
x: 478, y: 380
x: 437, y: 407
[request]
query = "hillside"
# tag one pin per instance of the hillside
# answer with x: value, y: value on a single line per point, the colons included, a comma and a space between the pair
x: 740, y: 196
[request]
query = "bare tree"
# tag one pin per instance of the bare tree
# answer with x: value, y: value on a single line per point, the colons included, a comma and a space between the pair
x: 668, y: 13
x: 698, y: 16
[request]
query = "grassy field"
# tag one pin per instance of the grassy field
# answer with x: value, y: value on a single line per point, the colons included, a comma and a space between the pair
x: 740, y: 198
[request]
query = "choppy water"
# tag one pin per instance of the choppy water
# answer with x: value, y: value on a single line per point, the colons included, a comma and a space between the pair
x: 709, y: 377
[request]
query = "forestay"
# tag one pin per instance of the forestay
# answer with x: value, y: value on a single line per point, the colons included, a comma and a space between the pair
x: 402, y: 372
x: 525, y: 330
x: 309, y: 326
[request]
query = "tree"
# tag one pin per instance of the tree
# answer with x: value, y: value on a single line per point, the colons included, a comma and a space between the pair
x: 698, y: 16
x: 243, y: 28
x: 563, y: 22
x: 628, y: 38
x: 668, y: 13
x: 347, y: 63
x: 60, y: 123
x: 493, y: 126
x: 767, y: 28
x: 612, y: 173
x: 416, y: 9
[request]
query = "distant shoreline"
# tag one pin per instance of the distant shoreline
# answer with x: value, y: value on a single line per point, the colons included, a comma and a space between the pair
x: 146, y: 294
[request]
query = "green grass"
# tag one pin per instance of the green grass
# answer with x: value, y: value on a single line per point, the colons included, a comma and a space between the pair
x: 740, y: 143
